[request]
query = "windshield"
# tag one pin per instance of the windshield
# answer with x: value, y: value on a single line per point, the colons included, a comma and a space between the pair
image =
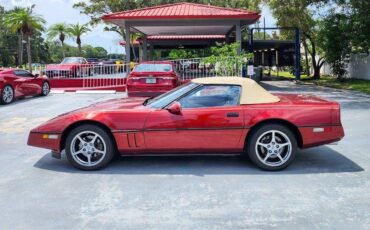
x: 72, y: 60
x: 166, y: 98
x: 147, y: 67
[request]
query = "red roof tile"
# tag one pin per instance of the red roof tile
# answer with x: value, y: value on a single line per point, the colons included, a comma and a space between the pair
x: 183, y: 10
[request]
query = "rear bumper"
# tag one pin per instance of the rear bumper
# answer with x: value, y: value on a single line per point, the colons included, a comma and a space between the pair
x: 330, y: 134
x: 45, y: 140
x: 144, y: 94
x: 148, y: 91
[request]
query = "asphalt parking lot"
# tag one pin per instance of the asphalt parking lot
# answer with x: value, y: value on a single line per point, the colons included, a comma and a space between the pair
x: 327, y: 187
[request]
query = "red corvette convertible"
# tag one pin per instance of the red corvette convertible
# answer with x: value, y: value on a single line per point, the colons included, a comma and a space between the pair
x: 16, y: 83
x: 219, y: 115
x: 70, y: 67
x: 153, y: 78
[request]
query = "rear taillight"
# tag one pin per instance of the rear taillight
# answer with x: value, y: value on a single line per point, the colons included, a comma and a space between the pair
x: 336, y: 116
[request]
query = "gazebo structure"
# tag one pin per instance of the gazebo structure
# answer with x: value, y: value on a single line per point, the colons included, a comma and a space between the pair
x: 181, y: 22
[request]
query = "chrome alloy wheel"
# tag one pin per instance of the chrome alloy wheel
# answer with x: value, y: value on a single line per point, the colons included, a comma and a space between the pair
x: 45, y: 88
x: 8, y: 94
x: 88, y: 148
x: 273, y: 148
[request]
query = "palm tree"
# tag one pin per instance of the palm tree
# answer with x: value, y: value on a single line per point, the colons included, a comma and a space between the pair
x: 77, y: 31
x: 25, y: 21
x: 60, y: 30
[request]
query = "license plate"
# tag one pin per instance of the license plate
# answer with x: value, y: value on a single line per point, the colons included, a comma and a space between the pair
x: 151, y: 81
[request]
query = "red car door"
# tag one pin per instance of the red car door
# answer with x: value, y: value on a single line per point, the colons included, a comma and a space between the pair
x: 211, y: 119
x: 27, y: 83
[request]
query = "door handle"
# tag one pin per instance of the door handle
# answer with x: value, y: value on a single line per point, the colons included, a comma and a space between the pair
x: 232, y: 114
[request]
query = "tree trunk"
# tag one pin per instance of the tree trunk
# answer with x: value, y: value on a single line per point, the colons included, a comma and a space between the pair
x: 316, y: 72
x: 29, y: 52
x: 315, y: 65
x: 80, y: 49
x: 78, y: 40
x: 306, y: 58
x: 63, y: 52
x: 20, y: 48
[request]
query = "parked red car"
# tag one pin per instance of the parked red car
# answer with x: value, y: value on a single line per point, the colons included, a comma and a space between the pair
x: 70, y: 67
x: 150, y: 79
x: 16, y: 83
x: 218, y: 115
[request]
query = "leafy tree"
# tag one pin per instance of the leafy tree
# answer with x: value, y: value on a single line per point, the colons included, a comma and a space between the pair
x: 94, y: 52
x: 26, y: 21
x: 335, y: 39
x: 359, y: 14
x: 225, y: 58
x: 77, y: 31
x: 60, y: 30
x: 39, y: 48
x: 7, y: 44
x: 300, y: 13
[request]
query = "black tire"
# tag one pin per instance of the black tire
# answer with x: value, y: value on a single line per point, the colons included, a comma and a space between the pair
x: 275, y: 163
x: 2, y: 100
x: 107, y: 139
x: 43, y: 92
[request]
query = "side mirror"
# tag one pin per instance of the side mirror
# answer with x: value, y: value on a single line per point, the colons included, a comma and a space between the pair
x: 175, y: 108
x: 36, y: 75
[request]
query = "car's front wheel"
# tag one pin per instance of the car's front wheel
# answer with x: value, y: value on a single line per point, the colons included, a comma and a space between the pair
x: 7, y: 95
x: 89, y: 147
x: 272, y: 147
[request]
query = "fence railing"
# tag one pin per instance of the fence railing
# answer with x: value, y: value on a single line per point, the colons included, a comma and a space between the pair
x: 104, y: 75
x: 85, y: 70
x: 203, y: 67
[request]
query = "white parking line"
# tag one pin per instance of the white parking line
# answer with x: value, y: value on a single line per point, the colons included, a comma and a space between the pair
x: 95, y: 91
x: 56, y: 91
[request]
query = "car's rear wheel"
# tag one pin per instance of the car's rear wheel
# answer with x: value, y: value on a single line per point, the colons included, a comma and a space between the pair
x: 7, y: 95
x: 45, y: 89
x: 89, y: 147
x: 272, y: 147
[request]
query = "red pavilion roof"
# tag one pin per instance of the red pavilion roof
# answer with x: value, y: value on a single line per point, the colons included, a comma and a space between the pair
x: 182, y: 11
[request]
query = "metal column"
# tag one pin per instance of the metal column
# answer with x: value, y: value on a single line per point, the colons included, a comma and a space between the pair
x: 145, y: 48
x: 127, y: 48
x: 238, y: 37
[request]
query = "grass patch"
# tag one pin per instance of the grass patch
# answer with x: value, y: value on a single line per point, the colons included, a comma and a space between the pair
x: 350, y: 84
x: 285, y: 75
x: 327, y: 81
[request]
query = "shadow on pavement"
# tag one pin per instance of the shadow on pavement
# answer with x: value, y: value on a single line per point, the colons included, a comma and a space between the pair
x: 310, y: 161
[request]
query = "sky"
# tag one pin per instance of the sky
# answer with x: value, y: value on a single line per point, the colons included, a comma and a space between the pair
x: 57, y: 11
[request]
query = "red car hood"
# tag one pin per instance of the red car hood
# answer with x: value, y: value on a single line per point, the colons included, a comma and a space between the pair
x: 92, y: 112
x: 110, y: 105
x: 60, y: 66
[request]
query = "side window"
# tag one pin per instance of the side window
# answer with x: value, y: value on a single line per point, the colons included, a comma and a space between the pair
x: 22, y: 73
x: 212, y: 96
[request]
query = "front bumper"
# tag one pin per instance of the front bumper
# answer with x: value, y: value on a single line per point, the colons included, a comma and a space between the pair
x: 45, y: 140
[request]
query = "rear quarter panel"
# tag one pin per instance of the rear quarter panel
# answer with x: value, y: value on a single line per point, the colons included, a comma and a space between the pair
x: 306, y: 112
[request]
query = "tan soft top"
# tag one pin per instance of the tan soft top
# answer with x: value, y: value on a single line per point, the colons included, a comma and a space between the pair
x: 252, y: 93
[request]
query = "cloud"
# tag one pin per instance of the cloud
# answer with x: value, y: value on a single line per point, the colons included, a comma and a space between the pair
x: 21, y: 3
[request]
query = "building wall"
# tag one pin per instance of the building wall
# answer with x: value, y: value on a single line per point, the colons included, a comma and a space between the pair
x: 358, y: 67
